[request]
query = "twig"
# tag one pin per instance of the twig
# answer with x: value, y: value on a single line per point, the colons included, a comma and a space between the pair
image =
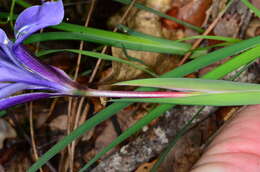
x: 53, y: 104
x: 36, y: 157
x: 73, y: 144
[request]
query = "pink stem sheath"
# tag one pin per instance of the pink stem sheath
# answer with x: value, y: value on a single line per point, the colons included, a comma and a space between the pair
x: 134, y: 94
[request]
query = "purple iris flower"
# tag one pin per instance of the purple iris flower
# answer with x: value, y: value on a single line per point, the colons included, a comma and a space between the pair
x: 19, y: 70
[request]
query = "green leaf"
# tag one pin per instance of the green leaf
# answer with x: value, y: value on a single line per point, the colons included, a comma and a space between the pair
x: 209, y: 99
x: 76, y: 32
x: 2, y: 113
x: 116, y: 107
x: 219, y: 38
x: 155, y: 113
x: 23, y: 3
x: 236, y: 62
x: 101, y: 56
x: 214, y: 88
x: 192, y: 84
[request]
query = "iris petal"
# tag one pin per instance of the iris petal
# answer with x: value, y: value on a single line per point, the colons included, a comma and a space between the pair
x: 11, y: 89
x: 2, y: 85
x: 9, y: 73
x: 38, y: 17
x: 3, y: 38
x: 18, y: 65
x: 6, y: 52
x: 14, y: 100
x: 45, y: 71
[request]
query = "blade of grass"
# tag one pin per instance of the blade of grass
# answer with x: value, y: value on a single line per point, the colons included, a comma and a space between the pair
x: 196, y: 52
x: 219, y: 38
x: 155, y: 113
x: 139, y: 41
x: 186, y: 128
x: 207, y: 99
x: 237, y: 62
x: 5, y: 15
x: 100, y: 56
x: 116, y: 107
x: 23, y: 3
x: 143, y: 7
x: 2, y: 113
x: 194, y: 84
x: 203, y: 85
x: 219, y: 93
x: 129, y: 31
x: 11, y: 13
x: 113, y: 39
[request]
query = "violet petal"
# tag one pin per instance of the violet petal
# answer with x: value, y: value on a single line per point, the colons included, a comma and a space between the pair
x: 2, y: 85
x: 16, y: 75
x: 7, y: 89
x: 38, y: 17
x: 6, y: 46
x: 45, y: 71
x: 11, y: 89
x: 9, y: 73
x: 3, y: 38
x: 19, y: 67
x: 14, y: 100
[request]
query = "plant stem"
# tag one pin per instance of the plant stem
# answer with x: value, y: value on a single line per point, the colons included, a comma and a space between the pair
x: 132, y: 94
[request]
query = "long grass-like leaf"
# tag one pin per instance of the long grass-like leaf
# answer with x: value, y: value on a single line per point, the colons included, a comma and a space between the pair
x: 23, y: 3
x: 129, y: 31
x: 151, y: 116
x: 116, y: 107
x: 219, y: 38
x: 190, y: 84
x: 2, y: 113
x: 236, y: 62
x: 185, y: 129
x: 101, y: 56
x: 140, y: 42
x: 212, y: 88
x: 208, y: 99
x: 155, y: 113
x: 113, y: 39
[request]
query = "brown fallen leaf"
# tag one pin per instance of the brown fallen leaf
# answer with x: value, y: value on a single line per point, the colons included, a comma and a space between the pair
x: 193, y: 12
x: 146, y: 167
x: 169, y: 24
